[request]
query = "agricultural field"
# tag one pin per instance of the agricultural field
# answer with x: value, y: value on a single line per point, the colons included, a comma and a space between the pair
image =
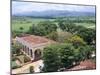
x: 27, y: 22
x: 87, y: 25
x: 88, y: 22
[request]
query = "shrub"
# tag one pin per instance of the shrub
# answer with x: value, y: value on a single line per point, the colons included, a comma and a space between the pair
x: 26, y: 59
x: 14, y: 58
x: 14, y: 67
x: 31, y: 69
x: 53, y: 36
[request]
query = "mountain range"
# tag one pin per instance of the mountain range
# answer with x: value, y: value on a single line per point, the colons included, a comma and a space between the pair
x: 55, y: 13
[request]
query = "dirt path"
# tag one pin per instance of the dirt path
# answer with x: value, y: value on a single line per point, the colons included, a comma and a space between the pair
x: 25, y: 68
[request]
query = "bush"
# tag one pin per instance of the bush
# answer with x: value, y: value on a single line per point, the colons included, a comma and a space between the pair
x: 16, y: 49
x: 14, y: 58
x: 76, y: 41
x: 26, y: 59
x: 16, y: 33
x: 43, y: 28
x: 14, y: 67
x: 31, y: 69
x: 51, y: 65
x: 53, y: 36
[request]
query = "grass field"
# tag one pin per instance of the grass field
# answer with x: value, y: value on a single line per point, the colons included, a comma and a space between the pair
x: 27, y: 22
x: 87, y: 25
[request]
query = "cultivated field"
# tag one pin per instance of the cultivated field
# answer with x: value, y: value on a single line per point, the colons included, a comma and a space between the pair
x: 26, y: 22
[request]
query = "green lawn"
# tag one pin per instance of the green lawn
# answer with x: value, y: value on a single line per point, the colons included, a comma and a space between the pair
x: 16, y: 26
x: 87, y: 25
x: 26, y: 24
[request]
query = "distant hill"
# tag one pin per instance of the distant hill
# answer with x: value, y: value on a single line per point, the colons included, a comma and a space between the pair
x: 55, y: 13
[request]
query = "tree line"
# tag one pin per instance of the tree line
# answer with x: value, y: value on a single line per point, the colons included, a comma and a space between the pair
x: 87, y: 34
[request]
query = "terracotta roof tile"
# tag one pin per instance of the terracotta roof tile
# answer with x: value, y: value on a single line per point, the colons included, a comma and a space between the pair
x: 32, y: 39
x: 84, y: 65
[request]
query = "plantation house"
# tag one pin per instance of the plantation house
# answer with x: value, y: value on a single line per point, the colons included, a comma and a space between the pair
x: 33, y: 45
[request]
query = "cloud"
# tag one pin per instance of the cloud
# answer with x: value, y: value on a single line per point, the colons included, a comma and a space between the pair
x: 22, y: 7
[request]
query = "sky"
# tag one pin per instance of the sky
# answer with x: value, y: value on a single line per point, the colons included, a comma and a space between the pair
x: 22, y: 7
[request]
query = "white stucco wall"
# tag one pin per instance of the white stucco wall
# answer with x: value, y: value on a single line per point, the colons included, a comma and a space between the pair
x: 32, y: 47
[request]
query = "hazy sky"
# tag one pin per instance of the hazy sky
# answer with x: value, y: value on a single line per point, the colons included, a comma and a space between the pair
x: 22, y: 7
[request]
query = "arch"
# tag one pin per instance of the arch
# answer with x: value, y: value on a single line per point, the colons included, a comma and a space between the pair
x: 31, y: 53
x: 28, y: 50
x: 23, y: 48
x: 37, y: 54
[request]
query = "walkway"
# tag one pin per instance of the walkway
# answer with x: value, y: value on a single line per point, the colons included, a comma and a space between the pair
x: 25, y: 68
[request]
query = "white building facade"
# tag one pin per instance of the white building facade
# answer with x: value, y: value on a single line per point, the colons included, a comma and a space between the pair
x: 33, y: 46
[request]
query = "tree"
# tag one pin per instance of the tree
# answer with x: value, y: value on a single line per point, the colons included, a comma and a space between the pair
x: 53, y: 36
x: 16, y: 49
x: 88, y: 35
x: 70, y: 27
x: 62, y: 57
x: 16, y: 33
x: 63, y: 36
x: 43, y: 28
x: 76, y: 41
x: 86, y: 51
x: 66, y: 55
x: 77, y: 56
x: 51, y: 59
x: 66, y: 26
x: 61, y: 23
x: 21, y: 28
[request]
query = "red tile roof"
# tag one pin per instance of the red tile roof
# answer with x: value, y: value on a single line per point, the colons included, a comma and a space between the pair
x: 84, y: 65
x: 32, y: 39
